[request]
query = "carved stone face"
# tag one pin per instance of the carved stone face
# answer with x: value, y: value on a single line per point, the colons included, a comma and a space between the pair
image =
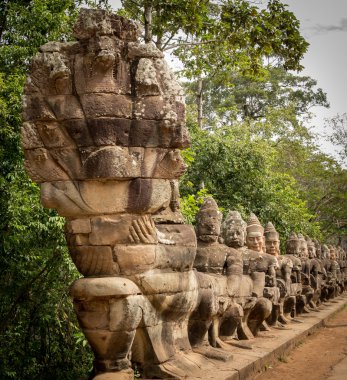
x: 311, y: 251
x: 209, y: 220
x: 303, y: 249
x: 318, y: 249
x: 255, y: 241
x: 272, y: 246
x: 325, y: 252
x: 332, y: 253
x: 293, y: 248
x: 235, y: 236
x: 208, y: 227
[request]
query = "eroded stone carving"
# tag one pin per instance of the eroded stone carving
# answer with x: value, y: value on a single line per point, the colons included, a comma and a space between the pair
x: 256, y: 307
x: 219, y: 274
x: 103, y: 125
x: 282, y: 311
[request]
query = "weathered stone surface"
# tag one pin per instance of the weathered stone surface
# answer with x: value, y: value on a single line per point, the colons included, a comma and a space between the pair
x: 133, y: 259
x: 96, y: 197
x: 79, y: 132
x: 41, y: 166
x: 106, y: 105
x: 65, y: 107
x: 88, y: 288
x: 171, y: 282
x: 110, y: 131
x: 146, y: 78
x: 176, y: 257
x: 179, y: 234
x: 79, y: 226
x: 93, y: 261
x: 120, y: 375
x: 30, y: 137
x: 114, y: 162
x: 36, y: 108
x: 77, y: 239
x: 110, y: 229
x: 94, y: 314
x: 149, y: 50
x: 100, y: 22
x: 53, y: 136
x: 152, y: 108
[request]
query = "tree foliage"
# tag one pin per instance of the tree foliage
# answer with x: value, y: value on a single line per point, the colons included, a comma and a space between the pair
x: 239, y: 170
x: 273, y: 96
x: 338, y: 134
x: 221, y: 34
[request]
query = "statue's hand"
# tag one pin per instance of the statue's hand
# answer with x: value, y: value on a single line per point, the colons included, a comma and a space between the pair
x: 143, y: 230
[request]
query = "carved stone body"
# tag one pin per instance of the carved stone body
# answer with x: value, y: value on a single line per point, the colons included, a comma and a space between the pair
x: 219, y: 273
x: 255, y: 306
x: 282, y: 311
x: 103, y: 124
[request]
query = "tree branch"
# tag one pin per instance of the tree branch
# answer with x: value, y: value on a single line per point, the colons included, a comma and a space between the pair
x: 189, y: 44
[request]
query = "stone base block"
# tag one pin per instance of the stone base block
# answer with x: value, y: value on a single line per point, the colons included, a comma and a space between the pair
x: 123, y: 375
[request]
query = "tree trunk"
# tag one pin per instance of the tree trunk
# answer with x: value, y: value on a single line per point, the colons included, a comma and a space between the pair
x: 199, y: 102
x: 148, y: 21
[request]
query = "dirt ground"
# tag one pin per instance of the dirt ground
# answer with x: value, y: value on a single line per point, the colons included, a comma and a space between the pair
x: 316, y: 356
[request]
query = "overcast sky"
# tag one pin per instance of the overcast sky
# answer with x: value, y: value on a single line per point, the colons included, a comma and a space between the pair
x: 324, y: 25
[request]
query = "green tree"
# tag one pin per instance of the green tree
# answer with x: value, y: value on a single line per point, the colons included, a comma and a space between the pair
x: 274, y: 97
x: 239, y: 170
x: 338, y: 134
x: 322, y: 183
x: 214, y: 37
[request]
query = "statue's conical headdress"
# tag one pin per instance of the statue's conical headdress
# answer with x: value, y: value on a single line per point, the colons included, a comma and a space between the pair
x: 208, y: 207
x: 309, y: 241
x: 253, y: 226
x: 270, y: 232
x: 292, y: 237
x: 301, y: 237
x: 234, y: 217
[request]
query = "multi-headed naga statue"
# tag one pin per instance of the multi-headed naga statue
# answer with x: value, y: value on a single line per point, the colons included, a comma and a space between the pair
x: 103, y: 121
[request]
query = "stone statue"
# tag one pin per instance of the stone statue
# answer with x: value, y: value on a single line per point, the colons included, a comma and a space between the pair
x: 293, y: 252
x: 334, y: 269
x: 305, y: 274
x: 220, y: 274
x: 282, y: 311
x: 331, y: 286
x: 256, y: 307
x: 324, y: 286
x: 103, y: 124
x: 316, y: 273
x: 266, y: 263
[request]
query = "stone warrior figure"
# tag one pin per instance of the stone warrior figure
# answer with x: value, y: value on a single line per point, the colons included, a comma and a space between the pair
x: 294, y: 252
x: 220, y: 274
x: 335, y: 270
x: 282, y: 312
x: 266, y: 263
x: 307, y: 289
x: 324, y: 286
x: 256, y: 307
x: 331, y: 284
x: 316, y: 273
x: 103, y: 124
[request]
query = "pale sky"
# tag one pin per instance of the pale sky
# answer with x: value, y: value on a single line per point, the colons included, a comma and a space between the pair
x: 324, y: 26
